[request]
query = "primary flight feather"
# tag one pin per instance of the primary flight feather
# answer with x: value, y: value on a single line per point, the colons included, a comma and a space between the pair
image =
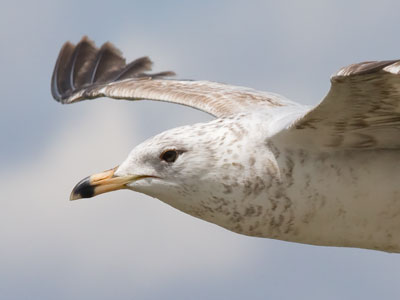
x: 266, y: 166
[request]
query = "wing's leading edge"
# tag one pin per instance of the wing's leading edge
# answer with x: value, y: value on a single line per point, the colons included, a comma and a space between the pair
x: 84, y: 71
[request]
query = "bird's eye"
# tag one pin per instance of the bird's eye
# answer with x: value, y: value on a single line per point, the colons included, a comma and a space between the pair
x: 169, y: 156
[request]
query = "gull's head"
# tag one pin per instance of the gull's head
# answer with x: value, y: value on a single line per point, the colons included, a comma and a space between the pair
x: 173, y: 166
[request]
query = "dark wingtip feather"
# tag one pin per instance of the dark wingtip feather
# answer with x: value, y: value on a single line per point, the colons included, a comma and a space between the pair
x: 84, y: 66
x: 81, y: 62
x: 108, y: 62
x: 134, y: 68
x: 157, y: 75
x: 57, y: 83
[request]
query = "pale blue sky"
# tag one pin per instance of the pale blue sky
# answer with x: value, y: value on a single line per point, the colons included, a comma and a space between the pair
x: 127, y: 246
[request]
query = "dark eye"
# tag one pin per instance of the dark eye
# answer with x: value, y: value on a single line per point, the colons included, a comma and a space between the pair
x: 169, y: 156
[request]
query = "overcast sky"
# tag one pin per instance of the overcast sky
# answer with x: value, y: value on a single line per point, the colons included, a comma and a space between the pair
x: 124, y: 245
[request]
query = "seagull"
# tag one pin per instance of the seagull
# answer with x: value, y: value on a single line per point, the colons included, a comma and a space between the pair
x: 267, y: 167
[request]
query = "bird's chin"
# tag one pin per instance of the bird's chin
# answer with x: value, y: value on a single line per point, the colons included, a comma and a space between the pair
x: 145, y: 184
x: 155, y: 187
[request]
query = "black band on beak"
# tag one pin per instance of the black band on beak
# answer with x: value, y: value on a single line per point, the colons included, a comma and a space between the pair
x: 84, y: 189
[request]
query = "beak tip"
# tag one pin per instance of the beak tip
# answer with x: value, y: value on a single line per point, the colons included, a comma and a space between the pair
x: 84, y: 189
x: 74, y: 196
x: 97, y: 184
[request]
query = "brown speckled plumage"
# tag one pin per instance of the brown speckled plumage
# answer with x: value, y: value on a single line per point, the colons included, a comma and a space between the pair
x: 267, y: 166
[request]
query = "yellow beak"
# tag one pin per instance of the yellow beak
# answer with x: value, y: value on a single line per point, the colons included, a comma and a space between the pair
x: 100, y: 183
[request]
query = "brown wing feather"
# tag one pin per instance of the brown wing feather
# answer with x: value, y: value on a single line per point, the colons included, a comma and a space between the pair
x: 86, y: 72
x: 361, y: 110
x: 85, y: 66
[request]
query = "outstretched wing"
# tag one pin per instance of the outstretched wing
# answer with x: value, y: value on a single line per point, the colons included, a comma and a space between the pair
x: 86, y: 72
x: 361, y: 110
